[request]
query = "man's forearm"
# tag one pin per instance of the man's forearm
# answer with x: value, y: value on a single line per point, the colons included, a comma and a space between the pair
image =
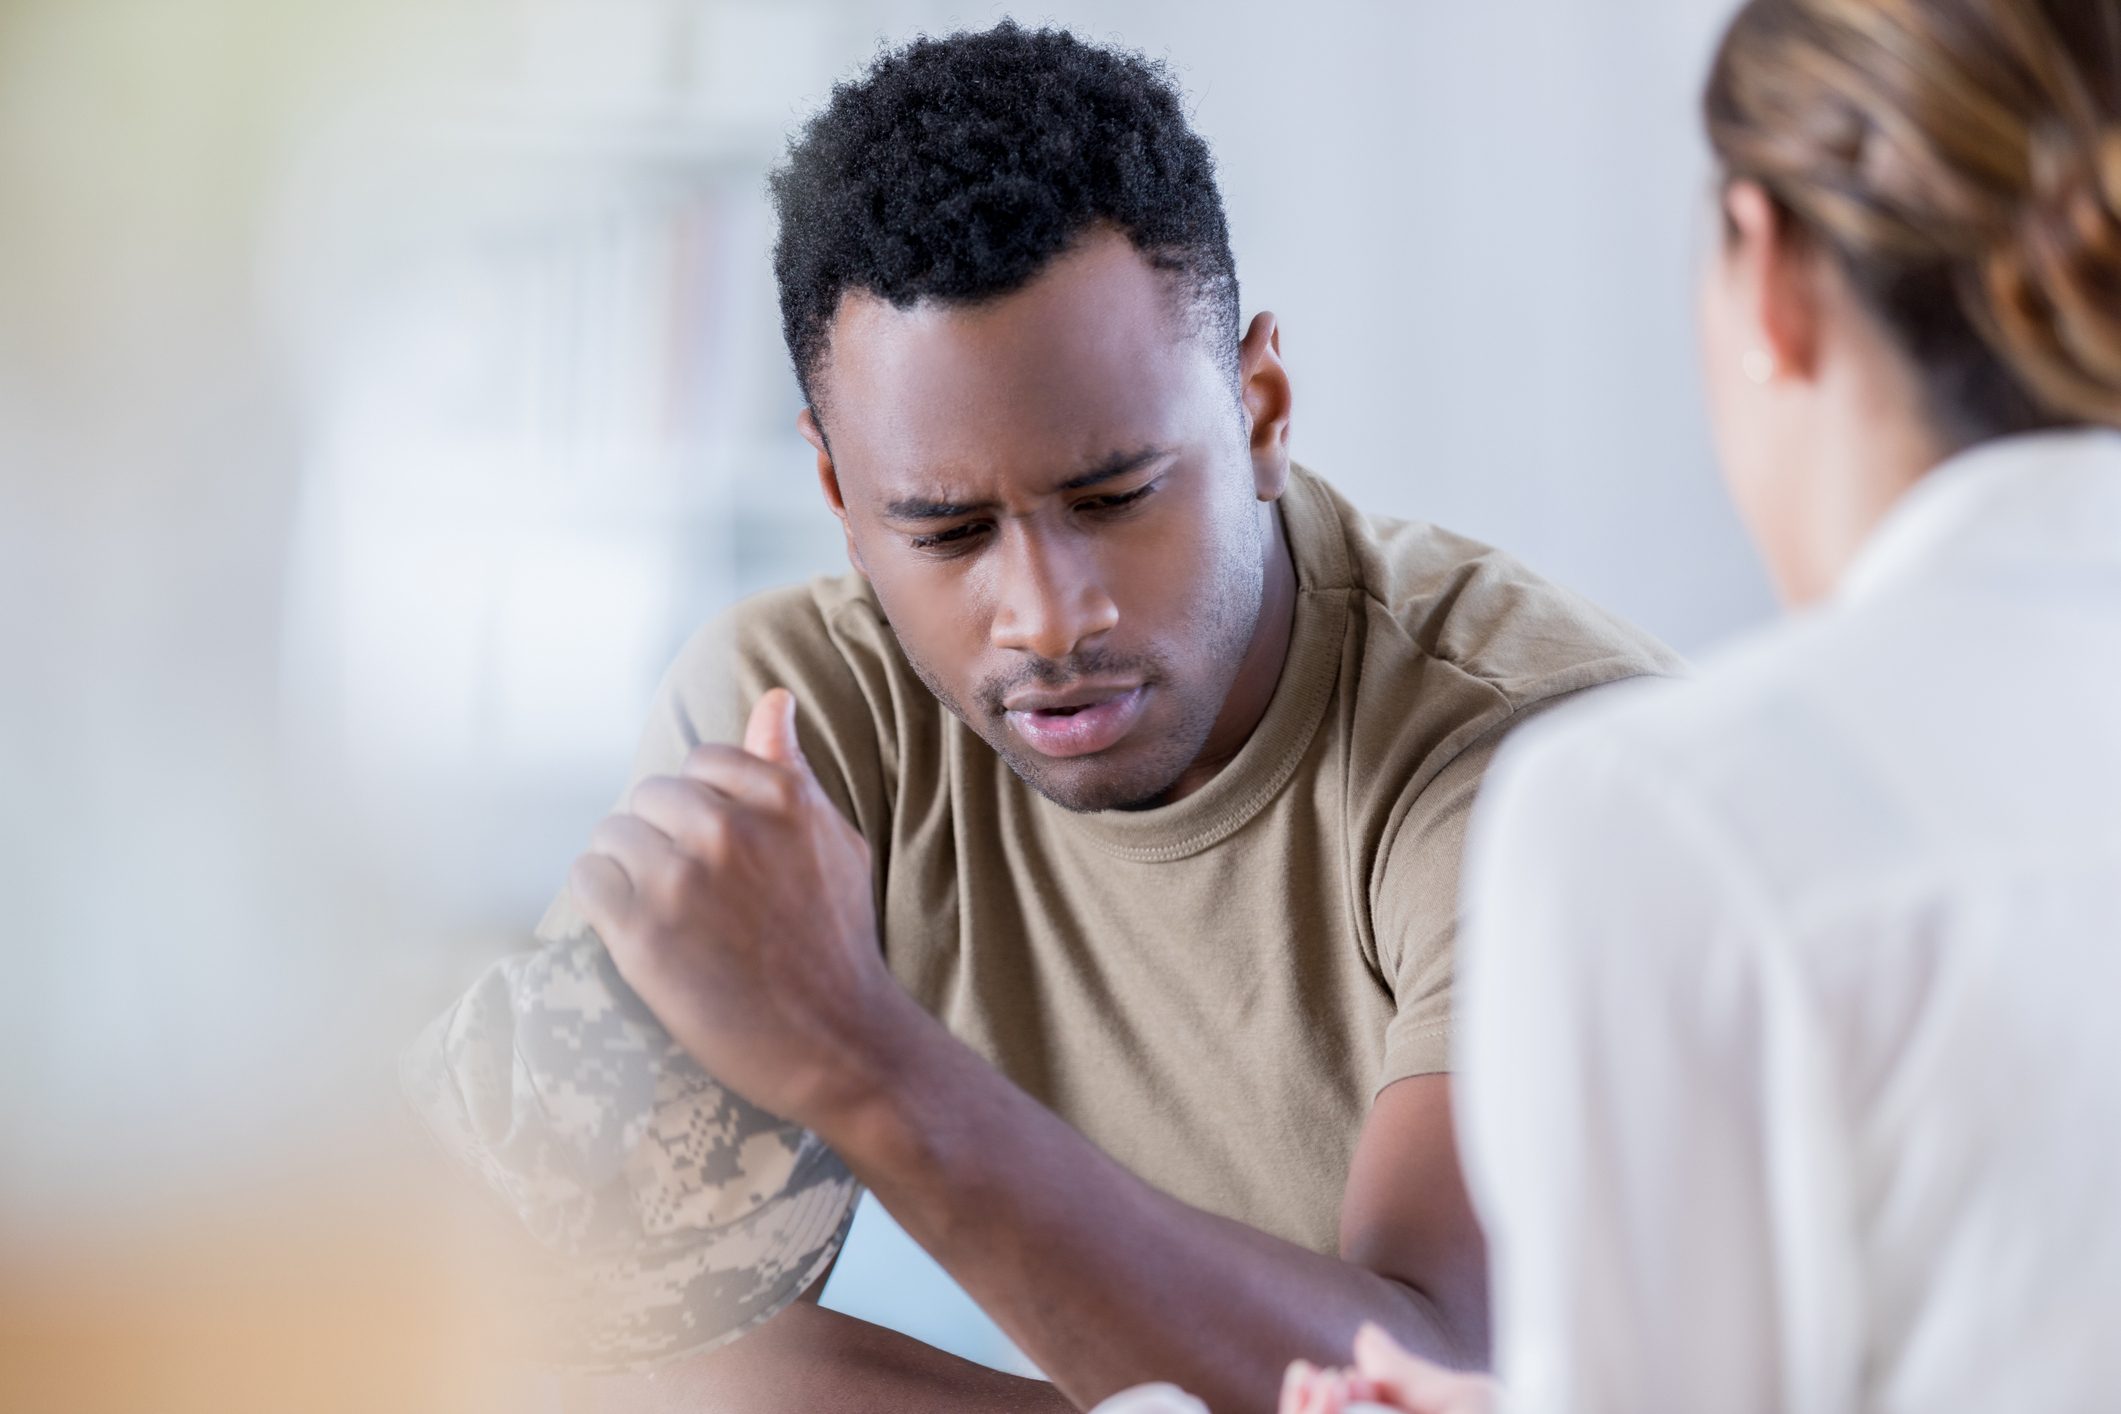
x: 1102, y: 1279
x: 808, y: 1360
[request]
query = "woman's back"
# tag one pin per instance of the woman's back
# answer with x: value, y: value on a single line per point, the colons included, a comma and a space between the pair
x: 1843, y: 1090
x: 1788, y: 1067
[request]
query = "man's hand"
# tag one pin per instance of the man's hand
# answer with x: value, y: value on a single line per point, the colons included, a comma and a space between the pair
x: 736, y: 899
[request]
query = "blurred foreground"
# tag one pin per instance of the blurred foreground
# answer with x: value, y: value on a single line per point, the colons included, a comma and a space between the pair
x: 320, y: 1300
x: 369, y: 375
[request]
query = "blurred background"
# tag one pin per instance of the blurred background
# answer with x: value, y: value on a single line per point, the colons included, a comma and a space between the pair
x: 387, y: 387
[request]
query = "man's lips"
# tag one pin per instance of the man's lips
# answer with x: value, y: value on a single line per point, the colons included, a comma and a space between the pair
x: 1077, y: 722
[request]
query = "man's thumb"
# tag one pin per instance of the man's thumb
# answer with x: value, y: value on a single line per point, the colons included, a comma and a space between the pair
x: 771, y: 731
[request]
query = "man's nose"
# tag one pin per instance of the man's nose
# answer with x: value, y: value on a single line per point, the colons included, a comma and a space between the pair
x: 1050, y: 602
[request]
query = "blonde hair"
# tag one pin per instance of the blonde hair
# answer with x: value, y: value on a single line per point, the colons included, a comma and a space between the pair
x: 1962, y: 159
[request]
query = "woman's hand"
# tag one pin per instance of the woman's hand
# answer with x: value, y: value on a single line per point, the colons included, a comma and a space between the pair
x: 1385, y: 1377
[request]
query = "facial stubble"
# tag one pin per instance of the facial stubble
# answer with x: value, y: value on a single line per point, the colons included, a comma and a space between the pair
x: 1225, y: 619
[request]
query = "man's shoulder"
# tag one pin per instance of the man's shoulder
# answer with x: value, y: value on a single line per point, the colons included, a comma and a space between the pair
x: 825, y: 640
x: 1430, y: 595
x: 814, y: 609
x: 790, y: 634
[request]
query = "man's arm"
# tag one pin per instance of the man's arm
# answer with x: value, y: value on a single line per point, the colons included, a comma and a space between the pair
x: 1100, y: 1278
x: 808, y: 1360
x: 1107, y: 1282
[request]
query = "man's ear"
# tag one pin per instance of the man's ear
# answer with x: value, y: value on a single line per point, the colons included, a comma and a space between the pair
x: 828, y: 480
x: 1778, y: 264
x: 1263, y: 384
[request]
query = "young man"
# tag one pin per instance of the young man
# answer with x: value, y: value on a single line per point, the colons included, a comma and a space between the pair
x: 1086, y: 876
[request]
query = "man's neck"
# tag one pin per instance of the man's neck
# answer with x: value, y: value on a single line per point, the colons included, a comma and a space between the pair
x: 1246, y: 703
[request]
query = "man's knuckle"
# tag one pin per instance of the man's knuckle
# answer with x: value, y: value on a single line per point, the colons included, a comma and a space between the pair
x: 709, y: 836
x: 668, y: 876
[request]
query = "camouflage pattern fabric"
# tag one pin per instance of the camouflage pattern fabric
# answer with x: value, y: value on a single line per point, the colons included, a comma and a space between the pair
x: 676, y: 1215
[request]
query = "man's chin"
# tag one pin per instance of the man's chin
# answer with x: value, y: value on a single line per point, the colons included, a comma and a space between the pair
x: 1088, y: 784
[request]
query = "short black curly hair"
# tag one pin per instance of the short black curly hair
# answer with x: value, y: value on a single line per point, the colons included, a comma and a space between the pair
x: 955, y: 169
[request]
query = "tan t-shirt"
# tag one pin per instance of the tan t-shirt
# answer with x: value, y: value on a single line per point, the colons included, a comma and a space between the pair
x: 1211, y: 991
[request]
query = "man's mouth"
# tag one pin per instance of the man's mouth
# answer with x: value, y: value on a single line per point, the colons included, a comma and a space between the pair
x: 1076, y: 722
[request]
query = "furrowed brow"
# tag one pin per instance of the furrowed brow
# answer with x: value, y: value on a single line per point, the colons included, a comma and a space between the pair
x: 916, y: 508
x: 1111, y: 469
x: 1114, y: 467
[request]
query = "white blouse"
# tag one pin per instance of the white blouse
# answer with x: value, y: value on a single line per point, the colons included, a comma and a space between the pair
x: 1789, y: 1039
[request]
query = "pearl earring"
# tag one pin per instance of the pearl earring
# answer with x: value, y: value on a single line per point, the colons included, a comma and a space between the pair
x: 1759, y: 365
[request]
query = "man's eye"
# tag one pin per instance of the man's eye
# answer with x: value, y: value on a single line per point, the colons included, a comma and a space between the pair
x: 1115, y: 502
x: 956, y: 535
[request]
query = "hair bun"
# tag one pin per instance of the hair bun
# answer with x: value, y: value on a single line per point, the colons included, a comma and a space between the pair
x: 2054, y: 285
x: 1963, y: 159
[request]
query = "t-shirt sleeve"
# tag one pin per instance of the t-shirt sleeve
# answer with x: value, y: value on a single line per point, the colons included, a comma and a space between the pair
x: 1415, y: 916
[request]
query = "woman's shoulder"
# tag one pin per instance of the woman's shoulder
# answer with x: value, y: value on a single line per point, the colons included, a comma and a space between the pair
x: 1788, y: 752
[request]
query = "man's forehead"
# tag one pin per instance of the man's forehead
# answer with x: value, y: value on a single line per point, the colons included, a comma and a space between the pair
x: 1090, y: 358
x: 1099, y: 274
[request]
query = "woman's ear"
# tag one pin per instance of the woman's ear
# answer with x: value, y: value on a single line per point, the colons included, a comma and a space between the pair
x: 1776, y: 267
x: 1264, y: 387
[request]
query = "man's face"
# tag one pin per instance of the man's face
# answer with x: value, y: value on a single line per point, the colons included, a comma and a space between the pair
x: 1054, y: 498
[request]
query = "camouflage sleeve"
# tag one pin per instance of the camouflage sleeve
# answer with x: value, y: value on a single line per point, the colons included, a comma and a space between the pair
x: 675, y: 1215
